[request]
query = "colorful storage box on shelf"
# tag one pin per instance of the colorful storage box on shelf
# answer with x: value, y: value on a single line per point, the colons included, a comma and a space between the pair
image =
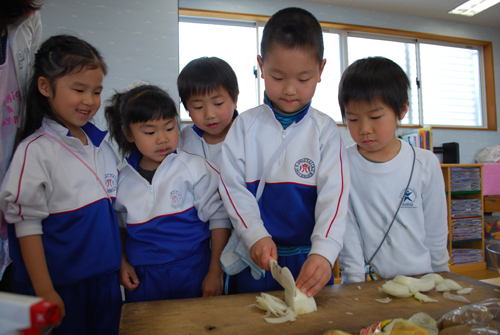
x: 491, y: 179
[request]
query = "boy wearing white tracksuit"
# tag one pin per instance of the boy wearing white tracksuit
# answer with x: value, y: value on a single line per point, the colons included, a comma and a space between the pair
x: 297, y: 153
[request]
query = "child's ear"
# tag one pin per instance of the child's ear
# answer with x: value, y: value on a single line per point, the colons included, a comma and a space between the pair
x: 235, y: 102
x: 261, y: 62
x: 129, y: 137
x: 321, y: 68
x: 404, y: 111
x: 44, y: 86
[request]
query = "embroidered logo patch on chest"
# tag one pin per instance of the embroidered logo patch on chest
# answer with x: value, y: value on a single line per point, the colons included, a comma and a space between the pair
x: 304, y: 168
x: 409, y: 198
x: 175, y: 199
x: 110, y: 182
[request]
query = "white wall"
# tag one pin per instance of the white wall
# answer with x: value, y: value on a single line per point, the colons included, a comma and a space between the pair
x: 471, y: 142
x: 138, y: 39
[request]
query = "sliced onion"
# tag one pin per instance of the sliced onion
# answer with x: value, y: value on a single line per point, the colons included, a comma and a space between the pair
x: 275, y: 306
x: 424, y: 284
x: 442, y: 288
x: 408, y: 281
x: 437, y: 278
x: 423, y: 298
x: 453, y: 285
x: 289, y: 316
x: 384, y: 301
x: 397, y: 290
x: 455, y: 297
x: 466, y: 290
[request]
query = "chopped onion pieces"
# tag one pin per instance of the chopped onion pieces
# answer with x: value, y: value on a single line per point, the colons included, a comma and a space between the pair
x: 466, y: 290
x: 455, y: 297
x: 397, y: 290
x: 423, y: 298
x: 275, y: 306
x: 442, y: 288
x: 453, y: 285
x: 437, y: 278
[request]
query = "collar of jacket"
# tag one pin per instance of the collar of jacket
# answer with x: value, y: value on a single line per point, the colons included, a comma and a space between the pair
x: 95, y: 134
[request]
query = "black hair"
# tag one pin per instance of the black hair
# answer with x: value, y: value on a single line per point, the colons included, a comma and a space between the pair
x: 374, y: 78
x: 58, y: 56
x: 293, y: 28
x: 11, y: 10
x: 140, y: 104
x: 204, y: 75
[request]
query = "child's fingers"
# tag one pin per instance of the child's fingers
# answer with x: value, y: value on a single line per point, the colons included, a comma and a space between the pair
x: 305, y: 275
x: 314, y: 275
x: 133, y: 277
x: 313, y: 290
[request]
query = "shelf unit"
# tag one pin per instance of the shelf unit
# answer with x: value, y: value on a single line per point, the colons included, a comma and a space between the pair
x: 460, y: 195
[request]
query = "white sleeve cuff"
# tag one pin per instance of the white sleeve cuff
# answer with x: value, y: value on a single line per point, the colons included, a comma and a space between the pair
x: 27, y: 228
x: 220, y: 223
x: 254, y: 233
x: 327, y: 248
x: 355, y: 278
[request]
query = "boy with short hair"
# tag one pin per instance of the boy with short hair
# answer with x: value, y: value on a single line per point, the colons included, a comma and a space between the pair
x: 397, y: 221
x: 208, y: 89
x: 297, y: 153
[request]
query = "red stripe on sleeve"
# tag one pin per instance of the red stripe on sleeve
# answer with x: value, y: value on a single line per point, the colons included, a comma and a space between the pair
x: 232, y: 203
x: 22, y: 171
x: 341, y: 190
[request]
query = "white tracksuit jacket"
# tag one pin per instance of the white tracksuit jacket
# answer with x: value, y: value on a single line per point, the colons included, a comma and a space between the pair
x: 304, y: 202
x: 49, y: 192
x: 166, y: 221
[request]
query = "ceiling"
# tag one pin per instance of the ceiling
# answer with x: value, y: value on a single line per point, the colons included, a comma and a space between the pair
x: 437, y: 9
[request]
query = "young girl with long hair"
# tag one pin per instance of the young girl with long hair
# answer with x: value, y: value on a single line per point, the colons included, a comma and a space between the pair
x: 168, y: 201
x: 58, y: 192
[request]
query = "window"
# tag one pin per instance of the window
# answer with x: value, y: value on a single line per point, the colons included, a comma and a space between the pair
x: 451, y: 79
x: 448, y: 77
x: 233, y: 41
x: 451, y: 85
x: 401, y: 51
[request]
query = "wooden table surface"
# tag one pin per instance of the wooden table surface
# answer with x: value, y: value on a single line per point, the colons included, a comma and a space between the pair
x: 348, y: 307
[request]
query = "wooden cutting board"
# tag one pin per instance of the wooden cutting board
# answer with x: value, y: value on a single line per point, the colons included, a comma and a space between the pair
x: 348, y: 307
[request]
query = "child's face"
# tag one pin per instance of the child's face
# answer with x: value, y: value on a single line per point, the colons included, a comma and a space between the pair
x: 155, y: 139
x: 290, y: 77
x: 76, y: 97
x: 212, y: 113
x: 372, y: 126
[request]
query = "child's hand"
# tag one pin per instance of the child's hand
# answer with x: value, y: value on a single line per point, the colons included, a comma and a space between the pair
x: 54, y: 297
x: 127, y: 276
x: 212, y: 284
x: 314, y: 275
x: 263, y: 251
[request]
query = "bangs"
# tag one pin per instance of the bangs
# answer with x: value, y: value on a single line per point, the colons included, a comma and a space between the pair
x: 149, y: 105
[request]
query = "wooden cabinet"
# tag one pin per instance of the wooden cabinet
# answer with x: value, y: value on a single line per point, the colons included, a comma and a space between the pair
x: 491, y: 203
x: 458, y: 240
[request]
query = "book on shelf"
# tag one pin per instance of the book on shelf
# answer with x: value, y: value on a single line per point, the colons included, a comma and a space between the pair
x: 466, y: 256
x: 465, y: 179
x: 419, y: 138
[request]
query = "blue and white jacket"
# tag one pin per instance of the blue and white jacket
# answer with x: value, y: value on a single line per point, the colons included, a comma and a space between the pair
x: 48, y: 191
x: 166, y: 221
x: 304, y: 202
